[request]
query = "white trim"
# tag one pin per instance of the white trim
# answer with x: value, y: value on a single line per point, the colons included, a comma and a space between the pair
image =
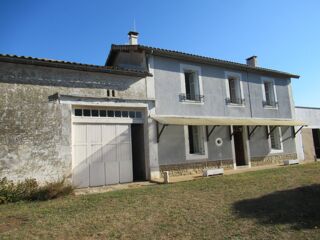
x: 238, y: 76
x: 205, y: 143
x: 197, y: 70
x: 246, y: 146
x: 270, y: 80
x: 281, y: 143
x: 219, y: 117
x: 105, y: 120
x: 105, y: 104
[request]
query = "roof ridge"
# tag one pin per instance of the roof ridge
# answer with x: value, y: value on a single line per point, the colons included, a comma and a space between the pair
x: 51, y: 61
x: 216, y: 60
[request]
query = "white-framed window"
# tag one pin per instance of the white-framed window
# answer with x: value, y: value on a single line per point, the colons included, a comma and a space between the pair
x: 275, y: 139
x: 191, y: 84
x: 234, y: 89
x: 106, y: 113
x: 269, y: 92
x: 196, y: 144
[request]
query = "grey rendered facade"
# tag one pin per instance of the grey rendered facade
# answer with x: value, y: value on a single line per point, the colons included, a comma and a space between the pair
x: 40, y: 100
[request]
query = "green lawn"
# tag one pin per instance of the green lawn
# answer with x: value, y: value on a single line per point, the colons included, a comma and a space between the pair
x: 282, y: 203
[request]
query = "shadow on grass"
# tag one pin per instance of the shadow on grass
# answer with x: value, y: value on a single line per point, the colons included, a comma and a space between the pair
x: 299, y: 207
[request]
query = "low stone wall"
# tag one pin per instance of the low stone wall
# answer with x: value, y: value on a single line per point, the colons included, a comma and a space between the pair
x: 272, y: 159
x: 194, y: 167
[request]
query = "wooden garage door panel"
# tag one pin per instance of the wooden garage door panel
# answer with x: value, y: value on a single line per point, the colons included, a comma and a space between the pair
x: 80, y: 176
x: 108, y: 134
x: 102, y: 154
x: 97, y: 174
x: 79, y: 134
x: 94, y: 133
x: 123, y: 134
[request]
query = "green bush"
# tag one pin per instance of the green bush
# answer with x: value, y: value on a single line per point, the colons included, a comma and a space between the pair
x: 29, y: 190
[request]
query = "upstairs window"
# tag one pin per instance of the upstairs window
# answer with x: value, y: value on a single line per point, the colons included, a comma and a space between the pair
x: 192, y: 86
x: 234, y: 91
x: 269, y: 96
x: 196, y: 143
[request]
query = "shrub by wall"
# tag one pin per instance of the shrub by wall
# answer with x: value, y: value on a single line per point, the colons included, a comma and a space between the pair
x: 30, y: 190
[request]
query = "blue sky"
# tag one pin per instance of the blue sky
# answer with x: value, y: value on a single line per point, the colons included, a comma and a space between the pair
x: 285, y: 35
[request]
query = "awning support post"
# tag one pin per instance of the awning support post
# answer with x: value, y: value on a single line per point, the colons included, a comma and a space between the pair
x: 231, y: 134
x: 159, y: 133
x: 252, y: 131
x: 268, y: 133
x: 295, y: 133
x: 208, y: 133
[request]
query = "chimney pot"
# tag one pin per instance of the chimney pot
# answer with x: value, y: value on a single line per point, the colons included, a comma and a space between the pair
x: 133, y: 38
x: 252, y: 61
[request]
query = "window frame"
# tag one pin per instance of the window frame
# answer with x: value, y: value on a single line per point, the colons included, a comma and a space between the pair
x: 279, y: 132
x: 238, y: 77
x: 264, y: 99
x: 195, y: 156
x: 197, y: 70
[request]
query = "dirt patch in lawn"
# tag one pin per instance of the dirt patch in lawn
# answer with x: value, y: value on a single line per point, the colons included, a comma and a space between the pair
x: 12, y: 222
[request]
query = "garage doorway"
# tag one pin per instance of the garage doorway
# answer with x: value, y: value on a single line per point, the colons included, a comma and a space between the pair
x: 138, y: 152
x: 102, y: 154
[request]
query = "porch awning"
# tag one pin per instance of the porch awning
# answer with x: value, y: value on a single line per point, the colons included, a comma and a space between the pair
x: 223, y: 121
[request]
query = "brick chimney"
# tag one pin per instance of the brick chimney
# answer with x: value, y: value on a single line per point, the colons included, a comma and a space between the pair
x: 252, y: 61
x: 133, y: 38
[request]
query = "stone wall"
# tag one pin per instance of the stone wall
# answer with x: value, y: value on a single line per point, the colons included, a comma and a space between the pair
x: 272, y: 159
x: 35, y: 139
x: 195, y: 167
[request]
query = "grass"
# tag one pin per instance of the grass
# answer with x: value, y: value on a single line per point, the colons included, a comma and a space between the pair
x: 281, y: 203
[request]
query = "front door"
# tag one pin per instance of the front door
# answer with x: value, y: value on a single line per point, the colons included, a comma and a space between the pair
x: 238, y: 145
x: 316, y: 141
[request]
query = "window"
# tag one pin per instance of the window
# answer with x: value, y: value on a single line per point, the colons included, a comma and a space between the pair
x: 78, y: 112
x: 105, y: 113
x: 95, y: 113
x: 275, y: 138
x: 269, y: 97
x: 234, y: 90
x: 86, y: 112
x: 138, y: 115
x: 191, y: 84
x: 124, y: 113
x: 117, y: 113
x: 196, y: 144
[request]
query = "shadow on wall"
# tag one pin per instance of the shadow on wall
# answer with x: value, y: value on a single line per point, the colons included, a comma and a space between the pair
x: 299, y: 207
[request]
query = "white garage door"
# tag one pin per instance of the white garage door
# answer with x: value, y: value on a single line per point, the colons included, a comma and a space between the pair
x: 102, y: 154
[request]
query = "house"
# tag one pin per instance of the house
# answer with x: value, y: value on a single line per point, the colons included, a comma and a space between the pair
x: 308, y: 140
x: 148, y: 110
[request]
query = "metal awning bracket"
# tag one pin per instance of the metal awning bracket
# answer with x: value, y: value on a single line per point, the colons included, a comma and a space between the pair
x: 250, y: 133
x: 272, y: 129
x: 208, y: 133
x: 159, y: 133
x: 296, y: 132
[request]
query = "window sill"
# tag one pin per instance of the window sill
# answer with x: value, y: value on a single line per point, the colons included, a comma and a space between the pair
x: 236, y: 105
x: 270, y: 107
x: 196, y: 156
x: 192, y: 102
x: 276, y: 151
